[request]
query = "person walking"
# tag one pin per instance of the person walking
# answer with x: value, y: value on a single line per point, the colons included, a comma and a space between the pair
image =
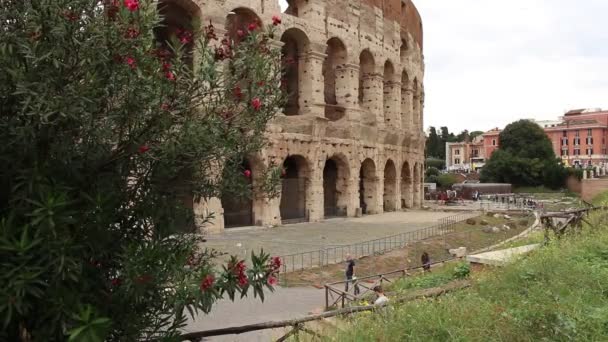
x: 350, y: 274
x: 426, y: 261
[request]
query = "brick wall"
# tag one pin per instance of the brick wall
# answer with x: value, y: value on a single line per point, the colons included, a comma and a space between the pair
x: 592, y: 187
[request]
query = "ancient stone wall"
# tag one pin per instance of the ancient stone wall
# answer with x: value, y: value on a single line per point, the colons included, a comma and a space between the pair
x: 351, y: 137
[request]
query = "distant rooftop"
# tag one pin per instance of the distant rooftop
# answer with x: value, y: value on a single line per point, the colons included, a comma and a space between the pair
x: 583, y: 111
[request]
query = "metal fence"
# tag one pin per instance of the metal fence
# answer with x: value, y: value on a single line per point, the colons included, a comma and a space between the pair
x: 337, y: 254
x: 507, y: 202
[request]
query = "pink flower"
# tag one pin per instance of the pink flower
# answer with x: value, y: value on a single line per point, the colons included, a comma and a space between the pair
x: 170, y: 76
x: 237, y: 92
x: 116, y: 282
x: 256, y: 103
x: 243, y: 281
x: 272, y: 281
x: 130, y: 61
x: 143, y: 149
x: 165, y: 106
x: 185, y: 37
x: 252, y: 26
x: 207, y: 282
x: 276, y: 20
x: 240, y: 267
x: 247, y: 173
x: 275, y: 263
x: 132, y: 5
x: 240, y: 33
x: 166, y: 66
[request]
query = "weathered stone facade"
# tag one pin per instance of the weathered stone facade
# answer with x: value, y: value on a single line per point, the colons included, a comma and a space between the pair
x: 351, y: 136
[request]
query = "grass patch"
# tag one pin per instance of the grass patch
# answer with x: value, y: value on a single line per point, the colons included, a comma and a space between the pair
x: 536, y: 190
x: 558, y: 293
x: 438, y: 277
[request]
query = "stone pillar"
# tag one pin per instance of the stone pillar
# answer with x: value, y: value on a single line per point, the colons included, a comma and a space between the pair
x: 314, y: 196
x: 347, y: 80
x: 352, y: 194
x: 406, y: 108
x: 315, y: 85
x: 267, y: 211
x: 584, y: 174
x: 376, y: 106
x: 391, y: 105
x: 203, y: 209
x: 379, y: 197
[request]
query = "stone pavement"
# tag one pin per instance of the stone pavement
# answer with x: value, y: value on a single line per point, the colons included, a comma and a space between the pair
x: 284, y: 303
x: 303, y: 237
x: 501, y: 257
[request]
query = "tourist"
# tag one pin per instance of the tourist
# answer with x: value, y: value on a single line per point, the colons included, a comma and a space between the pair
x: 382, y: 299
x: 350, y: 274
x: 426, y: 261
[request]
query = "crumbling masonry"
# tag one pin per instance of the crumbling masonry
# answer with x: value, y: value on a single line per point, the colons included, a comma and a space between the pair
x: 351, y: 135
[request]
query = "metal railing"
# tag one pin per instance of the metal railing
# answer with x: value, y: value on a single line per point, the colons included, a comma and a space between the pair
x: 507, y: 202
x: 337, y: 254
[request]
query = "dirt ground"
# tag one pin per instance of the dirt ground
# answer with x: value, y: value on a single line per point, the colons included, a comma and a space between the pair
x: 463, y: 235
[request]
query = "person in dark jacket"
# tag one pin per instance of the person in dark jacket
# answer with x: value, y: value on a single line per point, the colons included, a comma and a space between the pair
x: 350, y: 274
x: 426, y: 261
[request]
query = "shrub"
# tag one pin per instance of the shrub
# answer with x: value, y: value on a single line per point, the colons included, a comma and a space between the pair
x: 106, y: 143
x: 462, y: 270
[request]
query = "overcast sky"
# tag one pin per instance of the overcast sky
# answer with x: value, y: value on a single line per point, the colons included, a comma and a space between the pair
x: 490, y: 62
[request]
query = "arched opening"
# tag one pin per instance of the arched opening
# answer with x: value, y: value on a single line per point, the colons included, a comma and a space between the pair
x: 406, y: 186
x: 366, y: 71
x: 390, y: 187
x: 239, y: 20
x: 388, y: 91
x: 403, y: 51
x: 176, y: 27
x: 335, y: 186
x: 367, y: 187
x: 238, y: 210
x: 332, y: 66
x: 406, y: 103
x: 295, y: 43
x: 293, y: 189
x: 292, y: 8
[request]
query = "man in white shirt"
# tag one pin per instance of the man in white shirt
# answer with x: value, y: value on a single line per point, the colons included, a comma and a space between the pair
x: 382, y: 299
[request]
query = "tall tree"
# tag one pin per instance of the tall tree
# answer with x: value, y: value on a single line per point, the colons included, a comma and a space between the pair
x: 105, y: 143
x: 525, y: 158
x: 433, y: 144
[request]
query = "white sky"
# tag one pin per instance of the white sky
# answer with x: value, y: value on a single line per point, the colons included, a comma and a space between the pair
x: 490, y: 62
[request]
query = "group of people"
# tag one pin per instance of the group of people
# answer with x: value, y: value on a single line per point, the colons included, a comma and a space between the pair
x: 381, y: 298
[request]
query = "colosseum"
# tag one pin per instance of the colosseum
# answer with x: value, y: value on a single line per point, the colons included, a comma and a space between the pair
x: 351, y: 136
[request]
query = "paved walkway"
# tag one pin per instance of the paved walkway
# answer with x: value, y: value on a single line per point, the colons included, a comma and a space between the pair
x: 501, y: 257
x: 304, y: 237
x: 284, y: 303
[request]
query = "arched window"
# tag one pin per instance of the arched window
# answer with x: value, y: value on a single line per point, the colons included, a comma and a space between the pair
x: 334, y: 62
x: 366, y: 71
x: 295, y: 43
x: 388, y: 92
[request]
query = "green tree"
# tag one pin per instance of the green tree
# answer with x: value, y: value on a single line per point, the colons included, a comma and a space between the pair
x: 434, y: 145
x: 435, y: 162
x: 106, y: 140
x: 446, y: 180
x: 463, y: 136
x: 525, y: 158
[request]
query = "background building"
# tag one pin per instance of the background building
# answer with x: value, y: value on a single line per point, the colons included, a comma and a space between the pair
x: 465, y: 156
x: 350, y: 138
x: 578, y: 138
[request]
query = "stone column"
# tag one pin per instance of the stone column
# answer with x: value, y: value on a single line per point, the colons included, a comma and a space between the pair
x: 406, y: 108
x: 391, y: 104
x: 314, y: 196
x: 347, y: 80
x: 376, y: 82
x: 203, y: 209
x: 379, y: 198
x: 352, y: 194
x: 315, y: 84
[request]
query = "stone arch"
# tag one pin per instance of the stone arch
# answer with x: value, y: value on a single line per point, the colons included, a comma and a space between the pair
x: 368, y: 187
x: 390, y: 187
x: 238, y: 211
x: 178, y: 18
x: 295, y: 44
x: 239, y: 19
x: 333, y: 67
x: 336, y: 175
x: 388, y: 91
x: 406, y: 186
x: 294, y: 187
x: 367, y: 66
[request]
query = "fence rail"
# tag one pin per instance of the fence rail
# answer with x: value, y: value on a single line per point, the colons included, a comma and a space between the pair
x: 506, y: 201
x: 337, y: 254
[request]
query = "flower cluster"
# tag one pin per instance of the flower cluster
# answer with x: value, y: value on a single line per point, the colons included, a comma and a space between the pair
x: 275, y: 263
x: 132, y: 5
x: 184, y: 36
x: 256, y: 103
x: 239, y: 271
x: 207, y: 282
x: 224, y: 51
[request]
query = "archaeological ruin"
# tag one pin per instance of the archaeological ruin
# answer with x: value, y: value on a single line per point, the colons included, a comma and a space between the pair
x: 350, y: 137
